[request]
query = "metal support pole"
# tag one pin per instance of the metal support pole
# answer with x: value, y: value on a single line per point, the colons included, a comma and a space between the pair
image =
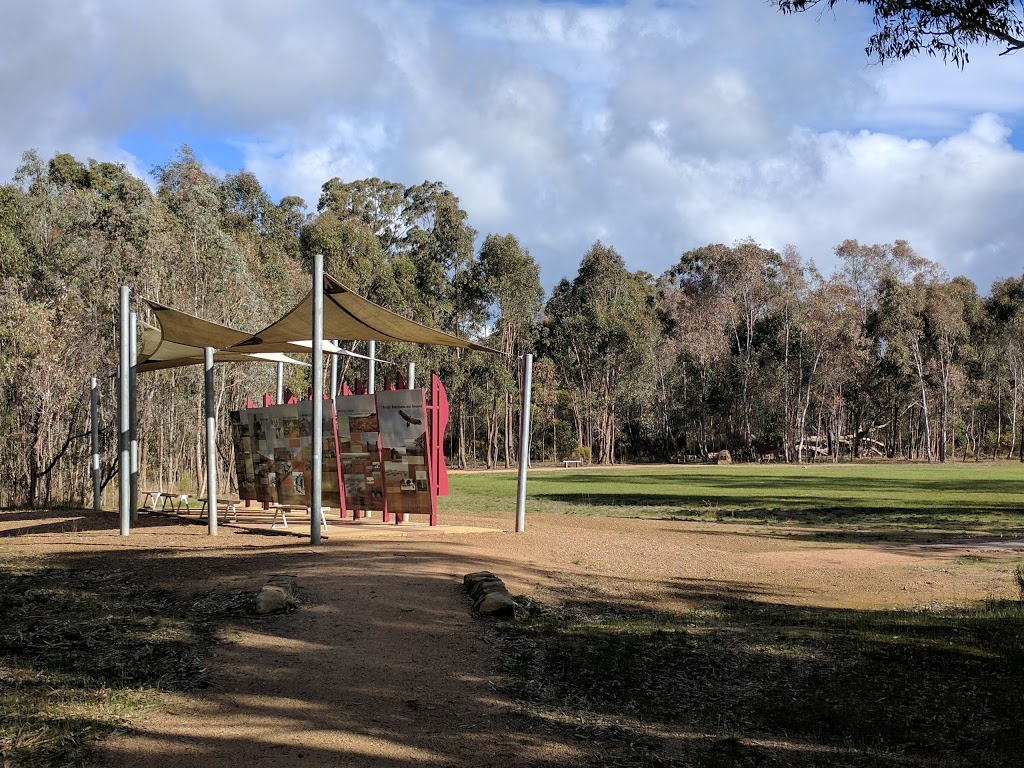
x: 315, y: 507
x: 133, y: 414
x: 94, y: 423
x: 412, y: 376
x: 280, y: 383
x: 211, y: 441
x: 524, y: 442
x: 371, y: 376
x: 124, y: 468
x: 334, y: 372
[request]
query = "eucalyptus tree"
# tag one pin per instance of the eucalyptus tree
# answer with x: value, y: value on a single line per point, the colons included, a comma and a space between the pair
x: 603, y: 328
x: 267, y: 234
x: 946, y: 28
x: 740, y: 283
x: 510, y: 279
x: 1000, y: 336
x: 699, y: 326
x: 73, y: 232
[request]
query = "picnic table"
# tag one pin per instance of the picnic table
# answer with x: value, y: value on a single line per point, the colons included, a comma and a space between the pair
x: 163, y: 498
x: 282, y: 510
x: 572, y: 462
x: 226, y: 505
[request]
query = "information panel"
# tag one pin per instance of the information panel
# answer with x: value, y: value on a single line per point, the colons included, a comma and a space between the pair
x: 274, y: 454
x: 359, y: 450
x: 403, y: 440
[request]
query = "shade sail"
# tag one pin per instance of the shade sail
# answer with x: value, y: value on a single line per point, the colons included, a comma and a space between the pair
x: 349, y: 316
x: 179, y: 339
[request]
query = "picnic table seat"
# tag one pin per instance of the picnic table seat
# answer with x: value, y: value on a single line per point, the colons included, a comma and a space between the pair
x: 227, y: 505
x: 281, y: 511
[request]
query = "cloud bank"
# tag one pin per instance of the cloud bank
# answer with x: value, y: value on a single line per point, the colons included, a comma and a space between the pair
x: 656, y: 127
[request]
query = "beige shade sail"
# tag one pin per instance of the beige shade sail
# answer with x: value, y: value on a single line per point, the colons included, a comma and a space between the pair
x: 349, y: 316
x: 179, y: 339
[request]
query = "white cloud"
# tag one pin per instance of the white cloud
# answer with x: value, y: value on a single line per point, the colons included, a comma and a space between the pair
x: 656, y: 127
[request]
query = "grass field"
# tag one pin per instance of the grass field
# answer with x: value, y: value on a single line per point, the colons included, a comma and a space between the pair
x: 968, y: 498
x: 740, y: 682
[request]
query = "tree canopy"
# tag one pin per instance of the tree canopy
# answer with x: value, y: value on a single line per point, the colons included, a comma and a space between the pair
x: 946, y: 28
x: 733, y: 347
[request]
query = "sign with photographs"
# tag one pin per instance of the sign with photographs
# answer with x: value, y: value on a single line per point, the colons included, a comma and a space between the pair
x: 274, y: 454
x: 359, y: 451
x: 403, y: 440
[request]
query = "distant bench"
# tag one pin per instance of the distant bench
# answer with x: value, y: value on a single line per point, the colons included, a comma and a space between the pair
x: 572, y: 462
x: 151, y: 498
x: 282, y: 510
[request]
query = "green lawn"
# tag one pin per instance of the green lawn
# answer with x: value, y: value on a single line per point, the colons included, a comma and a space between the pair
x: 972, y: 498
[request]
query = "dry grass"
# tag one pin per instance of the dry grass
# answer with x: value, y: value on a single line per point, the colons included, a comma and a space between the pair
x: 740, y: 683
x: 82, y: 651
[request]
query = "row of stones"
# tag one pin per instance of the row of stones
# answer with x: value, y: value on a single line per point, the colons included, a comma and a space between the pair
x: 488, y: 593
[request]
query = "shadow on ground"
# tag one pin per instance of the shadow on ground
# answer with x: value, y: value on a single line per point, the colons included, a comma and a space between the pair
x: 384, y: 665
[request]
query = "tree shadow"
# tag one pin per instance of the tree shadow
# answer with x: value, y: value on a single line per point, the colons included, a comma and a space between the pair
x: 25, y: 522
x: 892, y: 536
x: 739, y: 681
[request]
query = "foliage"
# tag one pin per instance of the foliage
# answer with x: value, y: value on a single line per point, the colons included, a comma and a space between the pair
x: 946, y: 28
x: 734, y: 347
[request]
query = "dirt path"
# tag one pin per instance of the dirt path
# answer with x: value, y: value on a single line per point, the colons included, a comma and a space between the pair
x: 384, y: 664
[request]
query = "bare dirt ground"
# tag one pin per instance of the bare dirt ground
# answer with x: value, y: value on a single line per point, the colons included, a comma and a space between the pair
x: 384, y: 663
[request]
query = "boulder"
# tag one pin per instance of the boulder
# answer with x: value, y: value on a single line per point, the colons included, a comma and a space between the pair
x: 272, y: 600
x: 724, y: 457
x: 277, y: 595
x: 488, y: 593
x: 497, y: 604
x: 479, y: 575
x: 481, y: 588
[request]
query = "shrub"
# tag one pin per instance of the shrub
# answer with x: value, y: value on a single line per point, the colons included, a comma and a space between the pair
x: 580, y: 453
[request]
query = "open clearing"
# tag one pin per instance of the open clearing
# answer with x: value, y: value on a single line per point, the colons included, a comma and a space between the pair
x: 871, y: 629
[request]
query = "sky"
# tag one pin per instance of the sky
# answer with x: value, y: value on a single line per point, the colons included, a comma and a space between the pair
x: 653, y: 126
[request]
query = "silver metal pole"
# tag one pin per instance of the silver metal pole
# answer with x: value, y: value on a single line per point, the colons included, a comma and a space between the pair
x: 524, y: 442
x: 334, y: 372
x: 315, y: 507
x: 124, y: 449
x: 412, y: 376
x: 94, y: 416
x: 133, y: 413
x: 280, y: 383
x: 211, y: 441
x: 371, y: 377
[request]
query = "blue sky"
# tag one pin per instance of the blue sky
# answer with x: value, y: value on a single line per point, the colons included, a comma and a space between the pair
x: 654, y: 126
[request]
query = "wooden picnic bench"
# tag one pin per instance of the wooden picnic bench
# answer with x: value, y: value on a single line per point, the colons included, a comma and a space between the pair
x: 282, y: 510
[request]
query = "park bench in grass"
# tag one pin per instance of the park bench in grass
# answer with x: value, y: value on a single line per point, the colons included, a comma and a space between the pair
x: 572, y: 462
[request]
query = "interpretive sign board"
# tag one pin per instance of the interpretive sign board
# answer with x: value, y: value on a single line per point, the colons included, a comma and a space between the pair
x: 402, y: 415
x: 359, y: 451
x: 274, y: 454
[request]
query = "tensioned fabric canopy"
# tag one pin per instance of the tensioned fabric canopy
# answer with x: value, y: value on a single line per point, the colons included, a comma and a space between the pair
x: 347, y: 315
x: 180, y: 338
